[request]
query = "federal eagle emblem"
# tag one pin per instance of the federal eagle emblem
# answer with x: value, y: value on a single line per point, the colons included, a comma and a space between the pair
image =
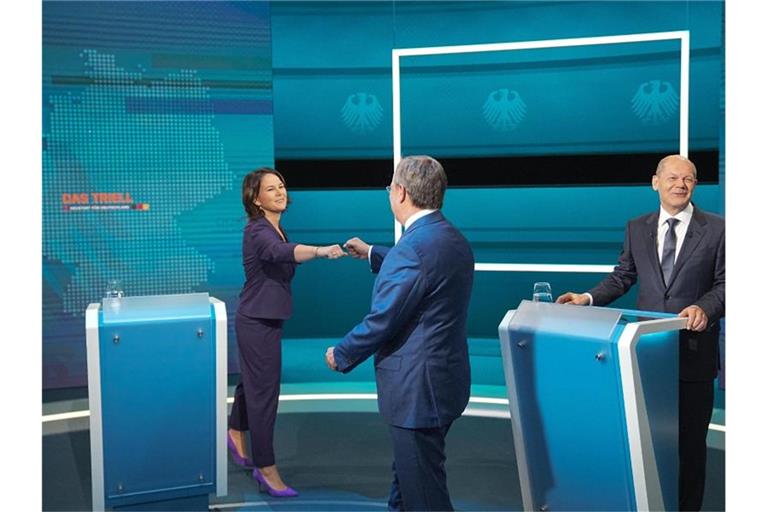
x: 504, y: 109
x: 655, y: 102
x: 362, y: 112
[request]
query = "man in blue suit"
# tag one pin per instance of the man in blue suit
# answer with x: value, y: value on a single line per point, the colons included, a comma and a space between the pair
x: 417, y: 329
x: 677, y: 255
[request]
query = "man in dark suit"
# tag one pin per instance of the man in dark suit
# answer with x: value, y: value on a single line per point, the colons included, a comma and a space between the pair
x: 417, y: 328
x: 677, y: 254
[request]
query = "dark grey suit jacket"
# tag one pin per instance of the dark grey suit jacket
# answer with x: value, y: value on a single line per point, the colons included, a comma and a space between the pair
x: 698, y: 278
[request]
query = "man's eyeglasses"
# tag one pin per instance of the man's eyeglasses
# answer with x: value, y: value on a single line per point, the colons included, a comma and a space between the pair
x: 688, y: 180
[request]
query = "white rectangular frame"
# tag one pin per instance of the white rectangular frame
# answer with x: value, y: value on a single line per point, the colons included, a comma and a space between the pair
x: 682, y: 35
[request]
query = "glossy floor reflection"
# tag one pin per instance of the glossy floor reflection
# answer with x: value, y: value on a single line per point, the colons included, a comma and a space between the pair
x: 340, y: 461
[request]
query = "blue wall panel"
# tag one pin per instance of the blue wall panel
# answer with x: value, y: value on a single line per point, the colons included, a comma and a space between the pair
x: 327, y: 54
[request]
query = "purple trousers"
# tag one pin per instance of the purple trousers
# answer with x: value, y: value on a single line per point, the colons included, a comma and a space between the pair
x: 255, y: 406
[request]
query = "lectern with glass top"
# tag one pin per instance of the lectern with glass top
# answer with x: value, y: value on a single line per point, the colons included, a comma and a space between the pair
x: 593, y: 401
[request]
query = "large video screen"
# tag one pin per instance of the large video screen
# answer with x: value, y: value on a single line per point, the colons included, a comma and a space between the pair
x: 152, y: 113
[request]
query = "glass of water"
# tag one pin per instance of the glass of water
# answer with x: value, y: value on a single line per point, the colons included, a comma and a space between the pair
x: 542, y: 292
x: 114, y: 289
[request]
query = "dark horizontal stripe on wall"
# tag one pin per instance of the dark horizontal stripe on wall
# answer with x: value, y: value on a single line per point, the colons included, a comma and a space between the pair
x: 329, y: 173
x: 165, y: 82
x: 514, y: 171
x: 139, y: 105
x: 408, y: 66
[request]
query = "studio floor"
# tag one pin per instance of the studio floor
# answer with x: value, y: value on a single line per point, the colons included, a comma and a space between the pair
x: 338, y: 456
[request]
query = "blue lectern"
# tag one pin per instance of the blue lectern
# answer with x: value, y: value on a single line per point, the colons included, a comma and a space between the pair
x: 593, y: 401
x: 157, y: 391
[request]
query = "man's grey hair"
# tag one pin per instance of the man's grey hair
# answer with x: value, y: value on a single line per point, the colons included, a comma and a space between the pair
x: 663, y: 162
x: 424, y: 179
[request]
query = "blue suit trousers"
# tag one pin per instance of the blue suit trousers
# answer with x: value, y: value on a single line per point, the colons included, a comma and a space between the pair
x: 419, y: 478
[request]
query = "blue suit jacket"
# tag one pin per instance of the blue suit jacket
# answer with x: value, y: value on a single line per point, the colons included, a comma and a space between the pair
x: 417, y: 326
x: 269, y: 266
x: 698, y: 278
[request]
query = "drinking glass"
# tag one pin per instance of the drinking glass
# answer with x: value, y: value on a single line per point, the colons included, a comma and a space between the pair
x: 542, y: 292
x: 114, y: 289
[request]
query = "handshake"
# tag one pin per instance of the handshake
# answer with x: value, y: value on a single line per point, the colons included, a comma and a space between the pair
x: 356, y: 247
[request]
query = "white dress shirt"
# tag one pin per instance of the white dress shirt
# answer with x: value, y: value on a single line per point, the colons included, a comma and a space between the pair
x: 681, y: 228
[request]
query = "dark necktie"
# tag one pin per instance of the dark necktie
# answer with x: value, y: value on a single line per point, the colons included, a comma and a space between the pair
x: 668, y: 252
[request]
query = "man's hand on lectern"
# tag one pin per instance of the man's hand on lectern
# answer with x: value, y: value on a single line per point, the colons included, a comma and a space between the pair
x: 697, y: 318
x: 577, y: 299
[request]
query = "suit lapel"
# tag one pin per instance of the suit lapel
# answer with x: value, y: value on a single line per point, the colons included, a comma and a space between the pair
x: 693, y: 237
x: 652, y: 226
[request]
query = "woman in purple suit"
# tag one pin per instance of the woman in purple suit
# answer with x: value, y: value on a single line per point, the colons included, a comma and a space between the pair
x: 269, y: 260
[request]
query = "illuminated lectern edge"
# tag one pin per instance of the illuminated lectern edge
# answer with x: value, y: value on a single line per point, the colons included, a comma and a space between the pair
x: 220, y: 315
x: 94, y: 404
x: 514, y: 408
x: 645, y: 475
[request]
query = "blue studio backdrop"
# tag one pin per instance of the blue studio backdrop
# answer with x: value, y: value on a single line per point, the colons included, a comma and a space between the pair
x: 153, y: 112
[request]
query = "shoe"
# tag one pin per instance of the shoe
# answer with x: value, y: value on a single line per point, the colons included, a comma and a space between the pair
x: 238, y: 459
x: 265, y: 487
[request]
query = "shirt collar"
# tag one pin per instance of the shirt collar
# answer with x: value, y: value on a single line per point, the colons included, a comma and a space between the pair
x: 683, y: 216
x: 416, y: 216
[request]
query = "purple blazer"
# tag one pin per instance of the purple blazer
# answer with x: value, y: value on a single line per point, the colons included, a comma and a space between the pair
x: 269, y: 267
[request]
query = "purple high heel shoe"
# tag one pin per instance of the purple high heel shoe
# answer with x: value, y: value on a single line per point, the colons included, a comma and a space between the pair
x: 265, y: 487
x: 238, y: 459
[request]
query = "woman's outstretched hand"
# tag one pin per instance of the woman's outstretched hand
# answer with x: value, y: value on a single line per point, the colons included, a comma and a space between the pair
x: 331, y: 252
